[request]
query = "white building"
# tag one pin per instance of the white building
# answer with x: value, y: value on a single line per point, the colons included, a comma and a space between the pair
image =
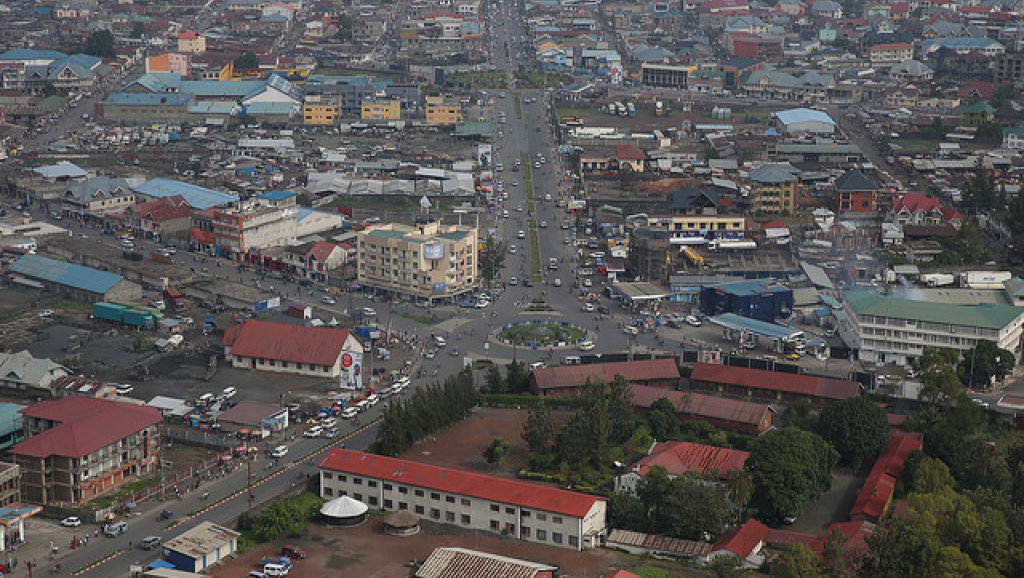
x: 891, y: 330
x: 531, y: 512
x: 804, y: 120
x: 285, y: 348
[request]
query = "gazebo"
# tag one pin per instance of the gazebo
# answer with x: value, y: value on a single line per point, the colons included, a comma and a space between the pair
x: 344, y: 511
x: 402, y: 523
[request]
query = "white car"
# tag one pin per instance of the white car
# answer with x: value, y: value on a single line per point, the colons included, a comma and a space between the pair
x: 349, y: 413
x: 587, y: 282
x: 314, y: 432
x: 630, y: 330
x: 46, y: 313
x: 327, y: 299
x: 543, y: 224
x: 586, y: 345
x: 329, y: 422
x: 279, y: 452
x: 333, y: 432
x: 693, y: 321
x: 369, y: 312
x: 71, y: 522
x: 125, y: 389
x: 482, y: 303
x: 512, y: 249
x: 521, y: 234
x: 587, y: 308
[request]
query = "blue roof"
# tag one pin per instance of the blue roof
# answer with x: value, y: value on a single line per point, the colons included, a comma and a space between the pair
x: 159, y: 81
x: 61, y: 169
x: 755, y: 326
x: 211, y: 107
x: 64, y: 273
x: 31, y: 54
x: 198, y: 197
x: 148, y: 98
x: 752, y: 287
x: 277, y: 195
x: 281, y: 108
x: 10, y: 417
x: 232, y: 88
x: 960, y: 42
x: 796, y: 115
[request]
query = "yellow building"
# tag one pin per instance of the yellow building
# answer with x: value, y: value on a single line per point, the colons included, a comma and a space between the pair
x: 697, y: 225
x: 442, y: 112
x: 773, y: 188
x: 381, y: 110
x: 320, y: 114
x: 191, y: 42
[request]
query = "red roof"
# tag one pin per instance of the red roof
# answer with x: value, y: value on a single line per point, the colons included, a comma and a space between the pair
x: 975, y: 9
x: 321, y: 251
x: 285, y: 342
x: 856, y: 534
x: 633, y: 371
x: 629, y: 152
x: 743, y: 541
x: 699, y: 404
x: 950, y: 214
x: 777, y: 537
x: 776, y: 381
x: 684, y: 457
x: 620, y: 574
x: 878, y: 488
x: 915, y: 202
x: 163, y: 209
x: 512, y: 492
x: 900, y: 7
x: 86, y: 424
x: 983, y: 90
x: 891, y: 46
x: 188, y: 35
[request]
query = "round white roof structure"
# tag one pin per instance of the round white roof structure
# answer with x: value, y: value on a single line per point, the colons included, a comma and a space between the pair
x: 343, y: 507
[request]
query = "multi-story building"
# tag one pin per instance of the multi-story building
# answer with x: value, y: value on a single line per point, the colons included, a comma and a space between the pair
x: 191, y: 42
x: 855, y: 193
x: 530, y: 512
x: 96, y: 197
x: 1008, y: 68
x: 773, y: 189
x: 274, y: 220
x: 79, y: 448
x: 664, y: 75
x: 887, y: 329
x: 10, y: 484
x: 381, y: 110
x: 443, y: 112
x: 163, y: 218
x: 428, y: 261
x: 315, y: 112
x: 889, y: 54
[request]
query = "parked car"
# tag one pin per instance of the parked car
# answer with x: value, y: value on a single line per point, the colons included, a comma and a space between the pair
x: 150, y: 542
x: 71, y: 522
x: 279, y: 452
x: 693, y: 321
x: 293, y: 552
x: 46, y: 313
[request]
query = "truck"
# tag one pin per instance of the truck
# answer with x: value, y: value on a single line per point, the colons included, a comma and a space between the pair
x: 174, y: 299
x: 693, y: 256
x: 612, y: 110
x: 630, y: 109
x: 985, y: 279
x: 938, y: 279
x: 621, y: 109
x: 659, y: 108
x: 553, y: 264
x: 118, y: 313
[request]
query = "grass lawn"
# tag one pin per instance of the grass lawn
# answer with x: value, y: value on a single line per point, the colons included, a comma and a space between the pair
x: 519, y: 106
x: 535, y: 250
x: 424, y: 319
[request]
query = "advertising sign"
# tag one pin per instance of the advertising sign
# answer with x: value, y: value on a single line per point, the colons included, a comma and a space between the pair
x: 433, y: 251
x: 351, y: 370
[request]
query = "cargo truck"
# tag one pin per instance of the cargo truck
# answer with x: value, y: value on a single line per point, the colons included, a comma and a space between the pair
x: 938, y: 279
x: 121, y: 314
x: 175, y: 300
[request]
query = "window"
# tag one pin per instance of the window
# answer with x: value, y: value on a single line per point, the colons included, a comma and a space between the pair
x: 435, y: 513
x: 328, y: 491
x: 526, y: 513
x: 464, y: 501
x: 494, y: 525
x: 542, y: 534
x: 419, y: 510
x: 357, y: 481
x: 342, y: 478
x: 541, y: 517
x: 328, y: 476
x: 403, y: 506
x: 449, y: 517
x: 526, y: 531
x: 419, y: 493
x: 403, y: 490
x: 556, y: 519
x: 465, y: 519
x: 435, y: 496
x: 574, y: 541
x: 358, y: 497
x: 495, y: 508
x: 372, y: 483
x: 556, y: 537
x: 450, y: 499
x: 373, y: 500
x: 387, y: 487
x: 388, y: 504
x: 510, y: 511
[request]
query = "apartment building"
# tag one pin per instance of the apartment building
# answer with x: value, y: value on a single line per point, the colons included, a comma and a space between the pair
x: 191, y: 42
x: 428, y: 261
x: 381, y: 110
x: 79, y: 448
x: 272, y: 220
x: 889, y: 54
x: 317, y: 113
x: 891, y: 330
x: 96, y: 197
x: 530, y: 512
x: 774, y: 189
x: 443, y: 112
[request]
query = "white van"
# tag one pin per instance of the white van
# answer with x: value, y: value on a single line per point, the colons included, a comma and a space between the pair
x: 536, y: 365
x: 229, y: 392
x: 205, y: 399
x: 572, y: 360
x: 275, y: 570
x: 586, y: 345
x: 279, y: 452
x: 349, y: 412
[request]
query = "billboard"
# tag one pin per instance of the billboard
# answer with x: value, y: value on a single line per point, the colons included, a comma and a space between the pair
x: 266, y: 304
x: 351, y: 370
x: 439, y: 288
x: 433, y: 251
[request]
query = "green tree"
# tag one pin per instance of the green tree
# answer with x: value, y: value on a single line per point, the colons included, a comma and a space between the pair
x: 626, y: 511
x: 494, y: 381
x: 100, y: 43
x: 857, y: 428
x: 939, y: 378
x: 980, y: 191
x: 539, y: 430
x: 662, y: 419
x: 344, y: 32
x: 517, y: 377
x: 799, y: 414
x: 929, y: 475
x: 797, y: 561
x: 247, y: 61
x: 492, y: 258
x: 985, y: 363
x: 627, y: 176
x: 739, y: 486
x: 693, y: 508
x: 725, y: 567
x: 138, y: 30
x: 790, y: 467
x: 903, y: 548
x: 496, y: 452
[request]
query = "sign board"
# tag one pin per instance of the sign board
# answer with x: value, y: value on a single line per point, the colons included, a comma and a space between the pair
x: 266, y: 304
x: 577, y: 204
x: 439, y: 288
x: 351, y: 370
x: 433, y: 251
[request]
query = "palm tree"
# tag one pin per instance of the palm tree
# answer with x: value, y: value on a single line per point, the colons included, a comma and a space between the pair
x: 739, y: 487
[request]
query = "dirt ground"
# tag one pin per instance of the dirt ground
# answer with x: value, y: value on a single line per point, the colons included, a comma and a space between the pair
x: 462, y: 446
x: 366, y: 551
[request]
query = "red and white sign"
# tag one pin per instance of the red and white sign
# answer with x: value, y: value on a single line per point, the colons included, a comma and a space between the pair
x: 346, y: 360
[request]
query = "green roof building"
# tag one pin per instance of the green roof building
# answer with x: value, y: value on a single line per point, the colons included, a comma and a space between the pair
x: 892, y: 330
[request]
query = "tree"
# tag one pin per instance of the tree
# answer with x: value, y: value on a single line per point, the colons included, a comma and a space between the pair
x: 517, y: 377
x: 739, y: 486
x: 626, y: 511
x: 985, y: 364
x: 692, y: 509
x: 492, y: 258
x: 247, y: 61
x: 939, y: 378
x: 495, y: 382
x: 929, y: 475
x: 100, y: 43
x: 903, y: 548
x: 627, y: 176
x: 344, y: 32
x: 799, y: 414
x: 797, y: 561
x: 856, y: 428
x: 725, y: 567
x: 662, y: 419
x: 539, y: 430
x: 138, y: 30
x: 790, y: 467
x: 496, y: 452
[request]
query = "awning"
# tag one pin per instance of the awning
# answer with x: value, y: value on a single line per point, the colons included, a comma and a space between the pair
x: 27, y: 282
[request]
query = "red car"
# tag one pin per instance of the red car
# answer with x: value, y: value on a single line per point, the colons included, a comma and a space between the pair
x: 293, y: 552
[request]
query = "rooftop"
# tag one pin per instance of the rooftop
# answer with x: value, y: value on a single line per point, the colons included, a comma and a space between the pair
x: 632, y: 371
x: 464, y: 563
x: 64, y: 273
x: 800, y: 384
x: 200, y: 541
x: 699, y: 404
x: 513, y: 492
x: 984, y: 315
x: 796, y: 115
x: 285, y: 342
x: 197, y: 197
x: 85, y: 424
x: 680, y: 458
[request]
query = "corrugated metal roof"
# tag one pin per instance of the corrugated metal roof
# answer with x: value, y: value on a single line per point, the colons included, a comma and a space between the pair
x: 689, y: 548
x: 54, y: 271
x: 284, y: 342
x: 463, y: 563
x: 197, y: 197
x: 701, y: 405
x: 985, y: 315
x: 801, y: 384
x: 200, y: 541
x: 577, y: 375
